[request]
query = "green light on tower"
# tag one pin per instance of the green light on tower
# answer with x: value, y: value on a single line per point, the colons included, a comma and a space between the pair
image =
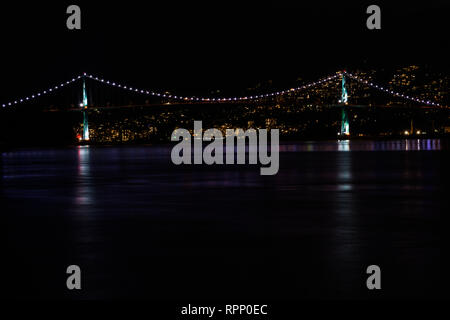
x: 345, y: 125
x: 85, y: 114
x: 344, y: 96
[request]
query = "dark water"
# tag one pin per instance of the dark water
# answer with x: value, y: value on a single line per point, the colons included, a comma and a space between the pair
x: 141, y: 227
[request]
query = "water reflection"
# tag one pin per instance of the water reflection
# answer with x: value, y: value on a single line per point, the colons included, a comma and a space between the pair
x: 344, y: 145
x: 84, y: 190
x: 365, y: 145
x: 346, y: 238
x: 116, y: 211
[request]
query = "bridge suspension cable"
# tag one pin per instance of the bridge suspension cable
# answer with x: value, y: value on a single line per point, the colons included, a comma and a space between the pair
x: 194, y: 98
x: 41, y: 93
x: 221, y: 99
x: 391, y: 92
x: 171, y: 96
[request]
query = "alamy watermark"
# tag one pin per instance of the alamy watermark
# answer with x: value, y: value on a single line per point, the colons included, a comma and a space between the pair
x: 374, y: 20
x: 74, y: 279
x: 374, y: 280
x: 213, y: 153
x: 73, y: 22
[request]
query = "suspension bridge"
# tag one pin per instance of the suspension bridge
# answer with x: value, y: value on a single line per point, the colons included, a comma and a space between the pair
x: 165, y: 98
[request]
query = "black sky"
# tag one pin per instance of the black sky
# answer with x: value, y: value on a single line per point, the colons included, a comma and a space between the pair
x: 195, y: 48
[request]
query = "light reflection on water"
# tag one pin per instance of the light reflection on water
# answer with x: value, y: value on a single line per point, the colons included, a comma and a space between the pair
x: 328, y: 213
x: 84, y: 193
x: 364, y: 145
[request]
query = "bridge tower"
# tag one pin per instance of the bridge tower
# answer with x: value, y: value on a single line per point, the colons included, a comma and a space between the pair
x: 84, y: 105
x: 345, y: 125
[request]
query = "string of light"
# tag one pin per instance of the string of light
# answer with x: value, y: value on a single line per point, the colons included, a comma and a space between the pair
x: 391, y: 92
x: 220, y: 99
x: 215, y: 99
x: 41, y: 93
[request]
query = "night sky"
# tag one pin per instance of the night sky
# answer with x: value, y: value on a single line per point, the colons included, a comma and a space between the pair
x: 197, y: 48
